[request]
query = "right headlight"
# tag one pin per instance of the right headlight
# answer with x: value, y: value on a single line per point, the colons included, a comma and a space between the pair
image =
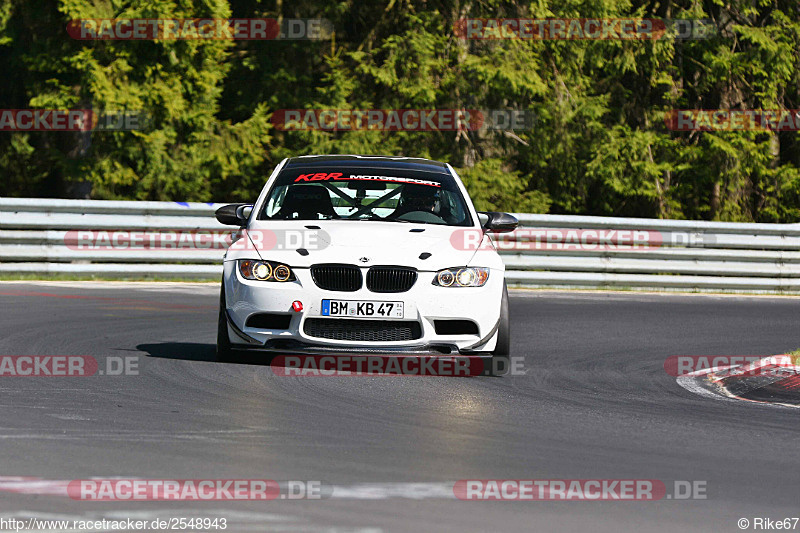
x: 462, y: 277
x: 265, y: 270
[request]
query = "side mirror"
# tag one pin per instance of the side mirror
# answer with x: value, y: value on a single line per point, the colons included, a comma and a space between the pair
x: 234, y: 214
x: 499, y: 222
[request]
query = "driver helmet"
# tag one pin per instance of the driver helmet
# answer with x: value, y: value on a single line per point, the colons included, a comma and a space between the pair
x: 421, y: 198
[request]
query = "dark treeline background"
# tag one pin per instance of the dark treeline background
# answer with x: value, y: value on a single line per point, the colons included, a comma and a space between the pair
x: 600, y: 145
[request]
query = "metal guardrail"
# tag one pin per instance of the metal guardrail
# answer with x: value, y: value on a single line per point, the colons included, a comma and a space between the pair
x: 34, y: 238
x: 547, y: 250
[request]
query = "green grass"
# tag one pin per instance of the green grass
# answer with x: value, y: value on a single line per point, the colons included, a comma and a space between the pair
x: 795, y: 355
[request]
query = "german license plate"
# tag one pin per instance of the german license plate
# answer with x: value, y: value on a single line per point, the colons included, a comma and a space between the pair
x: 362, y: 308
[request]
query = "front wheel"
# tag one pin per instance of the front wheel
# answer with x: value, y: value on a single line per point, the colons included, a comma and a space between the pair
x: 501, y: 355
x: 225, y: 352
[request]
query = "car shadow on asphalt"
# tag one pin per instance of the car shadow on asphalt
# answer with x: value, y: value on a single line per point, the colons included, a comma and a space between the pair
x: 195, y: 351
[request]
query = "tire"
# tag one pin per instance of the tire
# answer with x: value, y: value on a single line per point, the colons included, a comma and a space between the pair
x: 501, y: 355
x: 225, y: 353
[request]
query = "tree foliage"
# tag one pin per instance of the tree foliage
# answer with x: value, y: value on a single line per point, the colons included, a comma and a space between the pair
x: 599, y: 145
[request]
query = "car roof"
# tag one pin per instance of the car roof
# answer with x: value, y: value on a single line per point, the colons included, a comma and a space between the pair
x: 367, y: 161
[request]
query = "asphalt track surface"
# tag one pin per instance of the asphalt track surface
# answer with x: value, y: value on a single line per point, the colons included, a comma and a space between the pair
x: 595, y: 403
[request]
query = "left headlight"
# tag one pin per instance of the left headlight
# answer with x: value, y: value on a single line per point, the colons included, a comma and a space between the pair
x: 462, y: 277
x: 265, y: 271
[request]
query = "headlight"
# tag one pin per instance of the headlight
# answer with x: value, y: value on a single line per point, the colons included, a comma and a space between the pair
x: 462, y: 277
x: 282, y: 273
x: 265, y: 271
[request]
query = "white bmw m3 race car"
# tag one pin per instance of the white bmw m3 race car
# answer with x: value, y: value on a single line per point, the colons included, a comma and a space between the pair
x: 347, y: 254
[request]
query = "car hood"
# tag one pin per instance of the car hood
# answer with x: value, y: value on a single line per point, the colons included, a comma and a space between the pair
x: 361, y: 242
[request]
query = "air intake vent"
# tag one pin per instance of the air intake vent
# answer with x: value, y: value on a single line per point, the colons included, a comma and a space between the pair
x: 269, y: 321
x: 390, y: 279
x: 455, y: 327
x: 344, y: 278
x: 362, y: 330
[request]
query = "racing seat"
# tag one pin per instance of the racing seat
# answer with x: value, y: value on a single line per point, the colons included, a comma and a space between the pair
x: 307, y: 201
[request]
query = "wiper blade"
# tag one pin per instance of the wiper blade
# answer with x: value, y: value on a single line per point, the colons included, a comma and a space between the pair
x: 367, y: 217
x: 387, y: 220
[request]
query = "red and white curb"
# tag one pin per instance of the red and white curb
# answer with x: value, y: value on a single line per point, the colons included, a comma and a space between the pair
x: 712, y: 382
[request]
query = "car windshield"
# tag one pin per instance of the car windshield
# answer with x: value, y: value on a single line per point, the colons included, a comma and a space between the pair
x: 387, y: 195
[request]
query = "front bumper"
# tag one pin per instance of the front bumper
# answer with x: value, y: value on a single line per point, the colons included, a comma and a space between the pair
x: 423, y: 303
